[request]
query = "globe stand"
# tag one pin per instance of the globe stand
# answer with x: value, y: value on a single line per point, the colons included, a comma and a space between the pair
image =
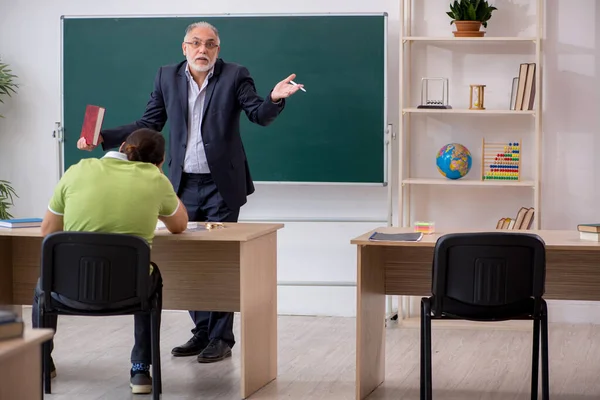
x: 436, y: 103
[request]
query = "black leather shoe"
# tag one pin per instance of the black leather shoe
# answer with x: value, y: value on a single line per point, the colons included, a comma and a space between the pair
x: 193, y: 347
x: 216, y: 350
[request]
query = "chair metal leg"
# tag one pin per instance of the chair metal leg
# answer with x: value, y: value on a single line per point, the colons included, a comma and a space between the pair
x: 155, y: 348
x: 158, y: 311
x: 47, y: 384
x: 545, y: 356
x: 535, y: 359
x: 427, y: 336
x: 422, y: 355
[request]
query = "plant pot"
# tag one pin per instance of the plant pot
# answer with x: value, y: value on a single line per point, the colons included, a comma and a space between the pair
x: 468, y: 29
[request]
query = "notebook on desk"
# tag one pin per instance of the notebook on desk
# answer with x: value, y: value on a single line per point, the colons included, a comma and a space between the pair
x: 396, y: 237
x: 21, y: 223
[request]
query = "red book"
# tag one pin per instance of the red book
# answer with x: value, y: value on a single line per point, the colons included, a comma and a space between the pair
x: 92, y: 123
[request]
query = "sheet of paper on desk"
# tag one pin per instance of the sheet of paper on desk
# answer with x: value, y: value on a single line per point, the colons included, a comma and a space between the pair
x: 191, y: 226
x: 396, y: 237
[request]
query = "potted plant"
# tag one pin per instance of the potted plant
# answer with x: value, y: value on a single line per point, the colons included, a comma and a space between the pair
x: 7, y: 85
x: 469, y: 16
x: 6, y: 199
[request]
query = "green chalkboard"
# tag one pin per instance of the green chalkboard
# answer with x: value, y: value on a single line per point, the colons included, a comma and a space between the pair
x: 332, y: 133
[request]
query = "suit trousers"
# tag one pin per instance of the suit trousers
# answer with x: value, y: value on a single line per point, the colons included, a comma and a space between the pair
x: 142, y: 350
x: 203, y: 202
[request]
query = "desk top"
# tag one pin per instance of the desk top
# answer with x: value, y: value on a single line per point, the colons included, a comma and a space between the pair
x: 30, y: 337
x: 232, y: 232
x: 554, y: 239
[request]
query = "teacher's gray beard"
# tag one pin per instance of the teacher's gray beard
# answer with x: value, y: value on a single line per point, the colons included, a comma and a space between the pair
x: 202, y: 68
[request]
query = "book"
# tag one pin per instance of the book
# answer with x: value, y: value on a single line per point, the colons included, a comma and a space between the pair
x: 520, y: 217
x: 521, y: 86
x: 11, y: 325
x: 529, y: 95
x: 590, y: 236
x: 396, y: 237
x: 593, y: 228
x: 21, y: 223
x: 92, y: 124
x: 527, y: 219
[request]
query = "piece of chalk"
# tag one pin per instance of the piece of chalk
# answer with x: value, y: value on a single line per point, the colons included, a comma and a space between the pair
x: 295, y: 84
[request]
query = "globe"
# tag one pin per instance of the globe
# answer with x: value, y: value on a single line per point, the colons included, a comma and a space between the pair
x: 453, y: 161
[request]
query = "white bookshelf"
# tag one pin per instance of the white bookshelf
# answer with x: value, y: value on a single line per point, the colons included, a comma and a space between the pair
x: 408, y: 84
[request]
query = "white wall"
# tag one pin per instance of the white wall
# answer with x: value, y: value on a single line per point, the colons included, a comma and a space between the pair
x: 30, y: 43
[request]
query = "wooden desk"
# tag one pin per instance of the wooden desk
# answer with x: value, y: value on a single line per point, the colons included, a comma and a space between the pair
x: 228, y: 269
x: 404, y: 268
x: 21, y: 365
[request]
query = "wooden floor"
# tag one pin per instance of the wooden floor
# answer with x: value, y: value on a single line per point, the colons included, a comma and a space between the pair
x: 316, y: 361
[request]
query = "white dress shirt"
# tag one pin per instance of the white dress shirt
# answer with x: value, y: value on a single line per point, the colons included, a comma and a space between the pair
x: 195, y: 158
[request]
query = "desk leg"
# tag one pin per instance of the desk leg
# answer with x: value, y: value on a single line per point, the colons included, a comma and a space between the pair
x: 6, y: 271
x: 258, y: 305
x: 21, y: 374
x: 370, y: 321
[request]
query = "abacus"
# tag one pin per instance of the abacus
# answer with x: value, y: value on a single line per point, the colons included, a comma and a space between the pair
x: 501, y: 161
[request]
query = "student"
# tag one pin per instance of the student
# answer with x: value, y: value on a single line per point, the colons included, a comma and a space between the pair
x: 123, y: 192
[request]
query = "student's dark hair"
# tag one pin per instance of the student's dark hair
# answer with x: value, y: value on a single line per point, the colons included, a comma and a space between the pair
x: 145, y: 145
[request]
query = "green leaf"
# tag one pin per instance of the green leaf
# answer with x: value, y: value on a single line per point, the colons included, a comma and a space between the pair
x: 7, y: 84
x: 471, y: 13
x: 7, y: 195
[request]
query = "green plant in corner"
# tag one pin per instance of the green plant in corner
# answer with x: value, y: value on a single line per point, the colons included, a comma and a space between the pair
x: 7, y: 87
x: 6, y: 199
x: 7, y: 84
x: 469, y: 15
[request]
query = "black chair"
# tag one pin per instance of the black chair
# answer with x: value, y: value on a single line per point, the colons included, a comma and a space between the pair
x: 492, y: 276
x: 97, y: 274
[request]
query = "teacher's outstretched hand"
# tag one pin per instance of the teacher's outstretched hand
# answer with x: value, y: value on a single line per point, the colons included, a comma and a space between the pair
x: 82, y: 144
x: 285, y: 88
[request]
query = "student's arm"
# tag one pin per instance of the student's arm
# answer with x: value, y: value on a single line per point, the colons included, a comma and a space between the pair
x: 51, y: 223
x: 172, y: 212
x: 53, y: 220
x: 176, y: 222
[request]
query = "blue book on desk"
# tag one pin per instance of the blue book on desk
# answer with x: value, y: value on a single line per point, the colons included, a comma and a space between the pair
x: 20, y: 223
x: 396, y: 237
x: 11, y: 326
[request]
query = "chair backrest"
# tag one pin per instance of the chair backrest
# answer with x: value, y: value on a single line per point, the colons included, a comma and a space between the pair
x: 474, y: 271
x: 98, y: 270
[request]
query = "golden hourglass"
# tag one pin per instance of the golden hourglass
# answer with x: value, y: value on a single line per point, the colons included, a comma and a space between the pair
x: 476, y: 97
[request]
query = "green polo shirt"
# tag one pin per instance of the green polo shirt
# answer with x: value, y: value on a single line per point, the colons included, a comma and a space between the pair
x: 113, y: 195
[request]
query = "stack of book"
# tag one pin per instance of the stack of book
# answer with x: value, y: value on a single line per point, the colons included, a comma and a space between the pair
x: 11, y: 325
x: 522, y: 221
x: 589, y: 232
x: 21, y: 223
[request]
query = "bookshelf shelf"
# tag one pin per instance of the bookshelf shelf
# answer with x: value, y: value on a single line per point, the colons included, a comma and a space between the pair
x: 494, y: 47
x: 511, y: 39
x: 466, y: 111
x: 466, y: 182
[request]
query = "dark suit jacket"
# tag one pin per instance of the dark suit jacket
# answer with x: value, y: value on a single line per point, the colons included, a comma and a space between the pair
x: 229, y: 91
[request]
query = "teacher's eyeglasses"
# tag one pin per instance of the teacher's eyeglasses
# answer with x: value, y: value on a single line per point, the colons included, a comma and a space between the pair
x: 197, y: 43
